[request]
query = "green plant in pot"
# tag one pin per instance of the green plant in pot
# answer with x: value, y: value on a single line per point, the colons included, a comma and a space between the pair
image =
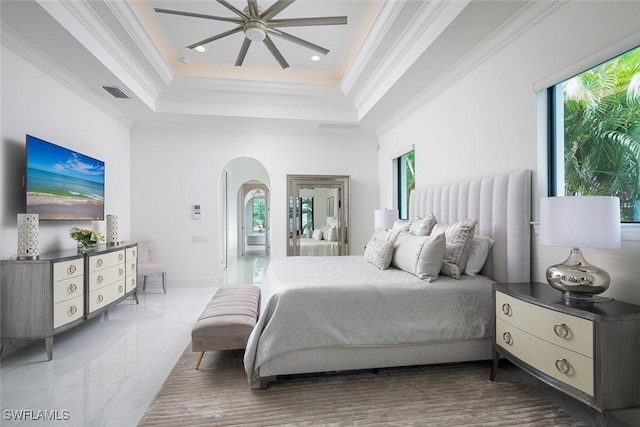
x: 87, y: 239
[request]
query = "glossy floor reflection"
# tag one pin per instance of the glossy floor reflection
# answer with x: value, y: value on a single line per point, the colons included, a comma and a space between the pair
x: 107, y: 371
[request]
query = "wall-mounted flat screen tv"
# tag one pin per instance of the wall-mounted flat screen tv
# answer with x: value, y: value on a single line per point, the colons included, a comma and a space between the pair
x: 62, y: 184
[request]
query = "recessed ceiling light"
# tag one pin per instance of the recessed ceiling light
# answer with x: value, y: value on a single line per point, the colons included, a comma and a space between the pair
x: 200, y: 48
x: 315, y: 58
x: 185, y: 60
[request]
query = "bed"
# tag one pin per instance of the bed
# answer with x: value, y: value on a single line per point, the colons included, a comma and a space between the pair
x: 313, y: 247
x: 321, y: 314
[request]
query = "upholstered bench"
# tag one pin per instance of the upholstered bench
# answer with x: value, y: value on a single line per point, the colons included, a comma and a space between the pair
x: 227, y: 321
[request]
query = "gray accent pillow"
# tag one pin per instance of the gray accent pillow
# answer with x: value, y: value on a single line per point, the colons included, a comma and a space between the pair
x: 379, y: 253
x: 479, y: 250
x: 421, y: 256
x: 459, y: 236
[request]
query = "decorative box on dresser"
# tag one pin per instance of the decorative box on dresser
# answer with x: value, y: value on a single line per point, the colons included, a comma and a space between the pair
x: 59, y: 290
x: 588, y: 352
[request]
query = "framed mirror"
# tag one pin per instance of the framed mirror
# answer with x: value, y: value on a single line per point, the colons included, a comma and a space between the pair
x: 318, y: 220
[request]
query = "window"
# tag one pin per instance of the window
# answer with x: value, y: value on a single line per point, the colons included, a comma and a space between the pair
x: 306, y: 212
x: 258, y: 209
x: 406, y: 180
x: 595, y: 134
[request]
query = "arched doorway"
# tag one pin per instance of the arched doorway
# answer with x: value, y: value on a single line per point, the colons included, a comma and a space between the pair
x: 239, y: 177
x: 253, y: 236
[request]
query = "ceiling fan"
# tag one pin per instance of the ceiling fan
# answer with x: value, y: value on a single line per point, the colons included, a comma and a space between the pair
x: 257, y: 25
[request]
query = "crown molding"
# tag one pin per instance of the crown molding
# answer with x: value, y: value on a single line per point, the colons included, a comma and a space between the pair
x: 15, y: 42
x: 521, y: 23
x: 426, y: 24
x: 82, y: 22
x: 130, y: 22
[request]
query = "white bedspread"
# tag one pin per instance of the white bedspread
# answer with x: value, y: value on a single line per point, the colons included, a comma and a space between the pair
x: 313, y: 247
x: 314, y: 302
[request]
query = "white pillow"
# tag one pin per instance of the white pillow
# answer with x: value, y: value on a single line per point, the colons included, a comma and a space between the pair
x: 330, y: 233
x: 400, y: 226
x: 421, y: 256
x: 480, y: 247
x: 317, y: 234
x: 379, y: 253
x: 422, y: 226
x: 382, y: 235
x: 459, y: 236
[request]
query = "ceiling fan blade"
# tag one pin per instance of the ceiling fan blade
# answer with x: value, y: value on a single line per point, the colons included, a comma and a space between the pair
x: 275, y: 52
x: 303, y: 22
x: 216, y: 37
x: 253, y: 8
x: 243, y: 52
x: 299, y: 41
x: 199, y: 15
x: 238, y: 12
x: 275, y: 9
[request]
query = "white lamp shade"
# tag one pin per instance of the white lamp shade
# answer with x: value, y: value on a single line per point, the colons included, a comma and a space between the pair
x: 384, y: 218
x: 580, y: 221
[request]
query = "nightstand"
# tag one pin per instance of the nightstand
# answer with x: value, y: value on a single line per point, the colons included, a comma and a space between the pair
x: 590, y: 353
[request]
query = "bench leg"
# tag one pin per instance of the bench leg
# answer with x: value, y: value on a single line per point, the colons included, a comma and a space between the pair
x: 199, y: 360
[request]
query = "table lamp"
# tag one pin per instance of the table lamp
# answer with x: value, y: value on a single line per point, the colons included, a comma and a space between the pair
x: 579, y: 221
x: 384, y: 218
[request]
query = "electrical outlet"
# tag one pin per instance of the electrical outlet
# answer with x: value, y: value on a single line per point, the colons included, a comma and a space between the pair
x: 200, y: 239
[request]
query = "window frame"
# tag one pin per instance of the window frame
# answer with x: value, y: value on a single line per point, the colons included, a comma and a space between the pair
x: 401, y: 197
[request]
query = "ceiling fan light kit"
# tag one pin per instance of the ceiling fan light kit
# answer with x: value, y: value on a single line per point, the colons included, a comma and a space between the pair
x: 257, y: 25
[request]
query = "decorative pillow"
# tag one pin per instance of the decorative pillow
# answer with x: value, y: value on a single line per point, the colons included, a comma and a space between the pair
x: 479, y: 250
x: 400, y: 226
x: 422, y: 226
x: 379, y: 253
x: 330, y: 233
x: 382, y: 235
x: 421, y: 256
x: 459, y: 237
x: 317, y: 234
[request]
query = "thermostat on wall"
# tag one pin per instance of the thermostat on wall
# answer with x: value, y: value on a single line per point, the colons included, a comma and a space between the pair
x: 196, y: 213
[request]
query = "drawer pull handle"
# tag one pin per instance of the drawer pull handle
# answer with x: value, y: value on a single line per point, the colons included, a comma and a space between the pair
x: 506, y: 309
x: 99, y: 262
x: 563, y: 366
x: 561, y: 330
x: 120, y: 257
x: 133, y: 267
x: 120, y: 272
x: 99, y: 279
x: 73, y: 310
x: 133, y: 283
x: 134, y: 252
x: 120, y: 289
x: 100, y: 299
x: 72, y: 288
x: 71, y: 269
x: 507, y: 338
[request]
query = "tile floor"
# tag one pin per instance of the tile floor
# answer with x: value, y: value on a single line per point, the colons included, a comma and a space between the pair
x: 107, y: 371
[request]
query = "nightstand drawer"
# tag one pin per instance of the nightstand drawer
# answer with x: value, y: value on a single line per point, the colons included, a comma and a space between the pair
x: 571, y: 332
x: 564, y: 365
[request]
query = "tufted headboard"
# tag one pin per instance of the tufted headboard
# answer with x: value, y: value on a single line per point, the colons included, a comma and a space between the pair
x: 502, y: 204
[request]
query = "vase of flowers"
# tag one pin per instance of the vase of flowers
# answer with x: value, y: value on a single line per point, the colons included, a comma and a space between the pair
x: 87, y: 239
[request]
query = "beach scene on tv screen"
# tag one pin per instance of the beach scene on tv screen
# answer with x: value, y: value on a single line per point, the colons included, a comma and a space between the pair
x: 63, y: 184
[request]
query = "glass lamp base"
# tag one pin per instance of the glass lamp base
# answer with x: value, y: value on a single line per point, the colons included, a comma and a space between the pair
x: 578, y: 280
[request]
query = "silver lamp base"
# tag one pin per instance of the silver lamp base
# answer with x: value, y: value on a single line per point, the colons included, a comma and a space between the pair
x: 578, y: 280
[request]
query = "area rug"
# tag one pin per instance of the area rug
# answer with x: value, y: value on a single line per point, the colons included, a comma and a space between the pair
x: 442, y: 395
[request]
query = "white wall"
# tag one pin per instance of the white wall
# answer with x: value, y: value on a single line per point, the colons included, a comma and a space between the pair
x: 34, y: 103
x: 174, y: 167
x: 486, y: 122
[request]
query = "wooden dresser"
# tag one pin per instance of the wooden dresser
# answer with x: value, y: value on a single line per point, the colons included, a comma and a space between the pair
x: 590, y: 353
x: 41, y: 298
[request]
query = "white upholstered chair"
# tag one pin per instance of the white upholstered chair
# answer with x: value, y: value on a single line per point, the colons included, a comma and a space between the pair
x: 148, y: 268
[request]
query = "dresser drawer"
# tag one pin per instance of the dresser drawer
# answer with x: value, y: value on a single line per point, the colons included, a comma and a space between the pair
x: 107, y: 294
x: 100, y: 278
x: 66, y: 269
x: 560, y: 363
x: 132, y: 253
x: 67, y: 311
x: 131, y: 283
x: 571, y: 332
x: 68, y: 288
x: 100, y: 262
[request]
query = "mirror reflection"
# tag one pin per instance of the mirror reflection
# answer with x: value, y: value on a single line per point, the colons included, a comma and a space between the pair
x: 318, y: 215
